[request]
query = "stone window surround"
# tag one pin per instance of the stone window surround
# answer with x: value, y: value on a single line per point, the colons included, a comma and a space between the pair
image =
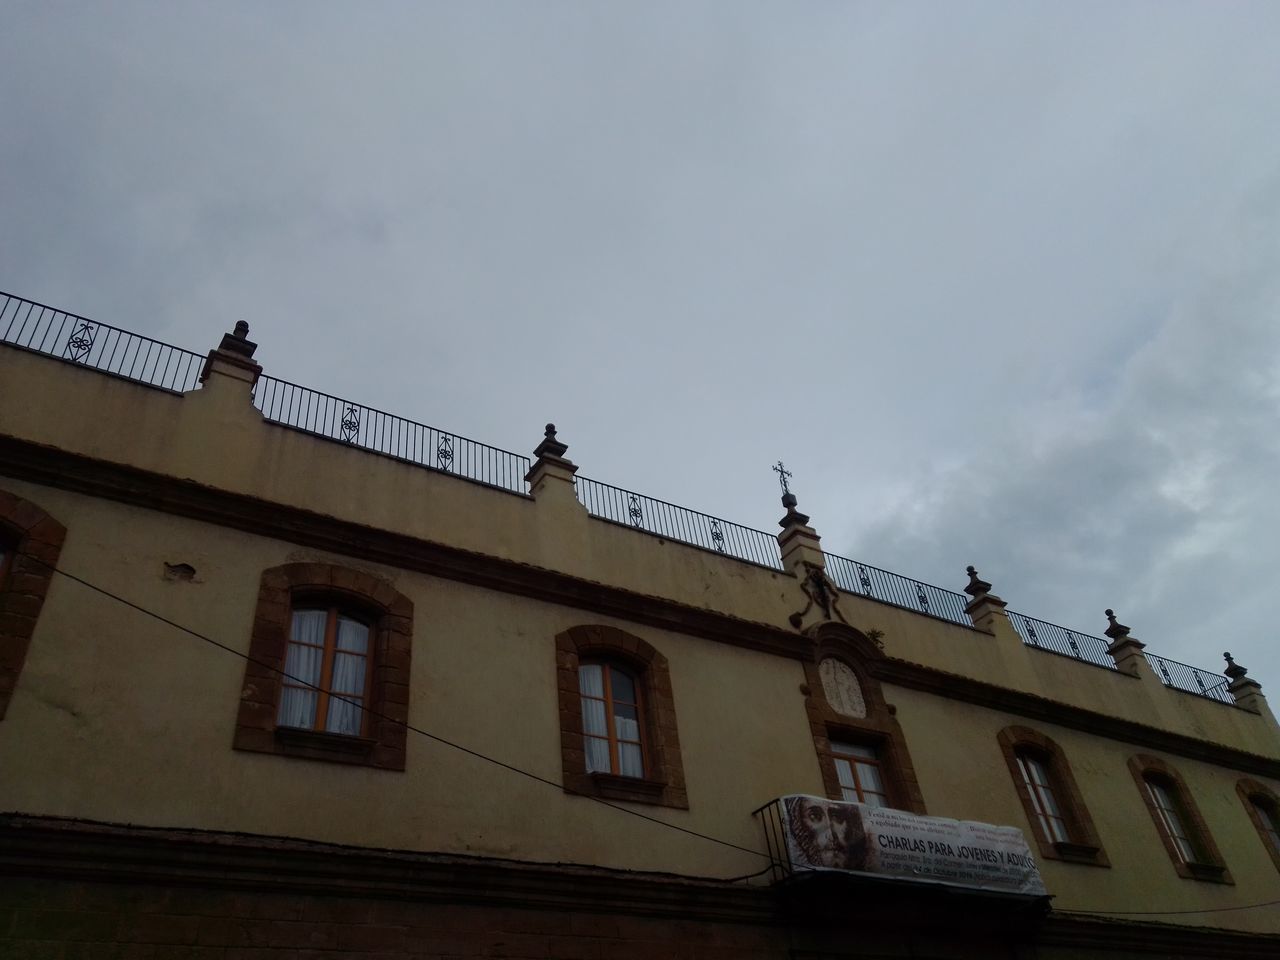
x: 1250, y: 792
x: 879, y: 729
x: 35, y: 539
x: 384, y: 746
x: 664, y: 784
x: 1143, y: 765
x: 1084, y: 845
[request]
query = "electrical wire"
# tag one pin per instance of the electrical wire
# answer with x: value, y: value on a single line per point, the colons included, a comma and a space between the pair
x: 418, y: 730
x: 551, y: 783
x: 1168, y: 913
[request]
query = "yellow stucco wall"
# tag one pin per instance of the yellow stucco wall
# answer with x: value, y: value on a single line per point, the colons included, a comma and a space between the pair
x: 118, y: 717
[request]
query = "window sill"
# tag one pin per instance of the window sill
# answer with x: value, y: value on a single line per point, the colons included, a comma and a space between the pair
x: 618, y: 787
x: 329, y: 746
x: 1079, y: 853
x: 1208, y: 872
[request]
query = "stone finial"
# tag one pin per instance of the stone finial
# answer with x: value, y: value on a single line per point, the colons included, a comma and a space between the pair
x: 1234, y: 670
x: 1115, y: 631
x: 550, y: 446
x: 238, y: 342
x: 233, y: 357
x: 977, y: 586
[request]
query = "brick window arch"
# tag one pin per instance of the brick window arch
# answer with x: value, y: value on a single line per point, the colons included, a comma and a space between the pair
x: 656, y: 741
x: 861, y: 751
x: 358, y: 647
x: 30, y: 543
x: 1054, y: 806
x: 1177, y: 820
x: 1263, y: 806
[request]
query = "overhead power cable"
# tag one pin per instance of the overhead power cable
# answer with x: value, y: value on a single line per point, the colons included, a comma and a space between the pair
x: 551, y: 783
x: 410, y: 727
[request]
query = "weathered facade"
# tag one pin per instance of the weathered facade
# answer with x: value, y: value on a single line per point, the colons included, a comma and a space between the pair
x: 174, y: 787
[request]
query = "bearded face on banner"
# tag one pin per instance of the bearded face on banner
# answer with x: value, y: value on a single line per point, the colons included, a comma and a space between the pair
x: 826, y: 834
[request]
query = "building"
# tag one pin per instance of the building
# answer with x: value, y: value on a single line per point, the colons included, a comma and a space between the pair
x: 285, y: 677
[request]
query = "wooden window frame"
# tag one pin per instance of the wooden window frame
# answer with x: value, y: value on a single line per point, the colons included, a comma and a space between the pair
x: 879, y: 729
x: 35, y: 540
x: 853, y: 760
x: 1083, y: 844
x: 1146, y: 767
x: 663, y: 783
x: 390, y: 617
x: 609, y: 666
x: 333, y: 612
x: 1255, y: 795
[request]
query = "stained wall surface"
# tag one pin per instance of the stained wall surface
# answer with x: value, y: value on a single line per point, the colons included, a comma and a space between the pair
x: 120, y: 717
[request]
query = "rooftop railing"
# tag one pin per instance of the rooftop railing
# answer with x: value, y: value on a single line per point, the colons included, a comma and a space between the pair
x: 1182, y: 676
x: 851, y: 576
x: 1069, y: 643
x: 88, y: 343
x: 71, y: 338
x: 678, y: 523
x: 360, y: 426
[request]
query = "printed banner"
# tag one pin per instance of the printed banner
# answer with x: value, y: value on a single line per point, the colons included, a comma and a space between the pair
x: 830, y: 835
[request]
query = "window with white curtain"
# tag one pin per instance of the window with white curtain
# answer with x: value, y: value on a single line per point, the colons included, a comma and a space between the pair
x: 1044, y: 800
x: 1174, y: 819
x: 325, y: 687
x: 858, y: 767
x: 612, y: 719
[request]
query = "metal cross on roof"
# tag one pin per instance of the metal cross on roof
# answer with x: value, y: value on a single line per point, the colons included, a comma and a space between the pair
x: 783, y: 474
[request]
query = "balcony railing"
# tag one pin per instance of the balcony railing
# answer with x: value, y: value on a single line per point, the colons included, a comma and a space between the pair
x: 678, y: 523
x: 71, y: 338
x: 359, y: 426
x: 1069, y: 643
x: 1182, y: 676
x: 851, y: 576
x: 88, y: 343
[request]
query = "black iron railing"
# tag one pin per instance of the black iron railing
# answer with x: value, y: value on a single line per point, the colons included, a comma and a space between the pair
x: 1182, y: 676
x: 88, y: 343
x: 852, y: 576
x: 773, y: 818
x: 360, y: 426
x: 75, y: 339
x: 1070, y: 643
x: 678, y: 523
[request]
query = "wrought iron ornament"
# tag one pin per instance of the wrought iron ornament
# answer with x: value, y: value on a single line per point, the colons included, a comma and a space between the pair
x: 717, y: 535
x: 637, y: 514
x: 350, y: 424
x: 80, y: 342
x: 444, y: 452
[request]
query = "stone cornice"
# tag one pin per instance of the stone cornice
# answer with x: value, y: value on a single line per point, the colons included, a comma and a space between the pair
x: 54, y: 847
x: 69, y: 471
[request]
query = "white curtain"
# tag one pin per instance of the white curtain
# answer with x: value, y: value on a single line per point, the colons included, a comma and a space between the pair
x: 346, y: 715
x: 631, y: 760
x: 302, y: 664
x: 591, y: 685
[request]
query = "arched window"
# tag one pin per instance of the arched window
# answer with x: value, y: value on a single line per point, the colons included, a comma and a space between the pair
x: 612, y: 719
x: 618, y: 735
x: 1055, y: 809
x: 1178, y: 821
x: 30, y: 543
x: 1263, y: 807
x: 862, y: 756
x: 328, y: 671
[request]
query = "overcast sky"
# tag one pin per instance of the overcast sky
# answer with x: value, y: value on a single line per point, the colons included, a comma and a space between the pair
x: 998, y: 281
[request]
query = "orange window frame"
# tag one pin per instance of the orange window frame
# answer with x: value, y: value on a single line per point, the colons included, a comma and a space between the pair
x: 606, y: 670
x: 1038, y: 791
x: 853, y: 759
x: 329, y: 651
